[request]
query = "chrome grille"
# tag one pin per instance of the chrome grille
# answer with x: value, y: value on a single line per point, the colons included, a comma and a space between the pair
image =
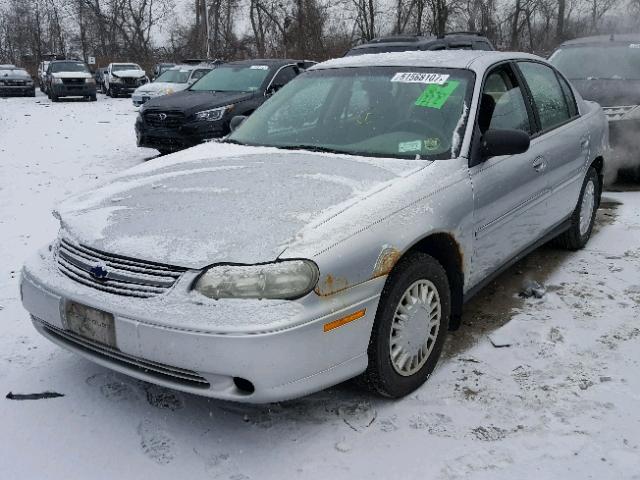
x: 130, y: 362
x: 164, y: 119
x: 118, y: 275
x: 73, y: 81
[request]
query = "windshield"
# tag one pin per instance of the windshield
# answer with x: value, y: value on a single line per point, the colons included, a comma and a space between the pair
x: 69, y: 67
x: 14, y: 73
x: 174, y: 76
x: 371, y: 111
x: 123, y: 66
x: 233, y: 78
x: 599, y: 61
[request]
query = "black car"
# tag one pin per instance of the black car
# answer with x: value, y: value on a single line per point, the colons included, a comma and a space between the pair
x: 606, y: 69
x: 69, y: 78
x: 403, y: 43
x: 204, y: 110
x: 16, y: 82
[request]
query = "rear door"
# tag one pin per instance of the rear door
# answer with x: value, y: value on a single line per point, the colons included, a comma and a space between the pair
x: 509, y: 191
x: 563, y: 136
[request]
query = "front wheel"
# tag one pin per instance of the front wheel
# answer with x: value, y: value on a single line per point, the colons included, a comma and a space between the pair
x: 584, y: 216
x: 410, y: 326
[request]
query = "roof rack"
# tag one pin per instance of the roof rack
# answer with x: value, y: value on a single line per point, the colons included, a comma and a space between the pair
x: 465, y: 32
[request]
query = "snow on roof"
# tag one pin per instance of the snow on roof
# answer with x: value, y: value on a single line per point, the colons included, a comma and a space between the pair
x: 441, y: 58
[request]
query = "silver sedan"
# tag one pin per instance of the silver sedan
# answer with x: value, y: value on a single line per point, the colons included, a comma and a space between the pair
x: 337, y: 232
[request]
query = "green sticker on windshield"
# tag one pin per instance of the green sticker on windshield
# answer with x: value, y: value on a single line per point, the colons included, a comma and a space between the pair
x: 435, y: 96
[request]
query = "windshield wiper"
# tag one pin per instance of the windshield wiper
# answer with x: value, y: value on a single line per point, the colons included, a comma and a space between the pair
x: 313, y: 148
x: 231, y: 140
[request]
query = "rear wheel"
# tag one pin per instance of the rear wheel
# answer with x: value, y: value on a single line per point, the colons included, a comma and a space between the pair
x: 410, y: 326
x: 583, y: 217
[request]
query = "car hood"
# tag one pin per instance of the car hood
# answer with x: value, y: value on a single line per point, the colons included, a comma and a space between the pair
x: 72, y: 75
x: 129, y: 74
x: 190, y: 102
x: 609, y: 92
x: 161, y: 86
x: 223, y: 203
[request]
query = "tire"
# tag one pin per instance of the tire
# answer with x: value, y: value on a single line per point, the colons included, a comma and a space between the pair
x: 93, y: 98
x: 54, y: 97
x: 109, y: 92
x: 578, y: 234
x: 416, y: 275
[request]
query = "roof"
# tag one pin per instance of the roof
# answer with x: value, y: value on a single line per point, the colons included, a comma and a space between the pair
x: 613, y: 38
x: 192, y: 66
x: 265, y: 61
x: 476, y: 60
x: 415, y: 41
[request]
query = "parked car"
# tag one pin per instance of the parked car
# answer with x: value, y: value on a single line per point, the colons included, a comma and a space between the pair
x: 203, y: 111
x: 42, y: 74
x: 123, y: 78
x: 160, y: 68
x: 69, y: 78
x: 606, y: 69
x: 337, y: 232
x: 99, y: 76
x: 16, y: 82
x: 173, y: 80
x: 402, y: 43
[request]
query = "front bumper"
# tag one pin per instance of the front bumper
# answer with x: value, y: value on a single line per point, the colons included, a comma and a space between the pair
x: 624, y: 140
x: 177, y: 138
x: 141, y: 98
x: 17, y: 91
x: 73, y: 90
x: 122, y: 88
x: 279, y: 346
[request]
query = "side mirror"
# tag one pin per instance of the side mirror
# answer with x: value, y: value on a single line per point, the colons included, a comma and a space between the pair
x: 236, y: 121
x: 504, y: 142
x: 272, y: 89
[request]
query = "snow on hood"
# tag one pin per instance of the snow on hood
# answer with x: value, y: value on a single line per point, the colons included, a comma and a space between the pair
x: 155, y: 87
x: 72, y: 75
x: 129, y: 73
x: 222, y: 203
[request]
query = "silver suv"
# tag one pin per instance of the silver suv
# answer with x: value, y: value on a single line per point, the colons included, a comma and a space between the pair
x: 337, y: 233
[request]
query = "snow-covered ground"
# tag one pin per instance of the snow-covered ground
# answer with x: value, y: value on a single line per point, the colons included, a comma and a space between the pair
x: 558, y: 399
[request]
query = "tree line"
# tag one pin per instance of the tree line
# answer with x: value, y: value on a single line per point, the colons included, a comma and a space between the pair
x: 147, y: 31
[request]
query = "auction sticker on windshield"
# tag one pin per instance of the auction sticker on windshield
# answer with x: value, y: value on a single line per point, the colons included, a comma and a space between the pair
x: 435, y: 96
x: 259, y: 67
x: 418, y: 77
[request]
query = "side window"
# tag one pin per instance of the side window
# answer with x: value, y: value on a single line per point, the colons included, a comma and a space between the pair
x: 503, y: 105
x: 569, y: 97
x: 548, y: 97
x: 284, y: 76
x: 198, y: 74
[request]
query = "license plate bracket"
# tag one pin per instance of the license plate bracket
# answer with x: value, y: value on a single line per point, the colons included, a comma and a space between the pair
x: 90, y: 323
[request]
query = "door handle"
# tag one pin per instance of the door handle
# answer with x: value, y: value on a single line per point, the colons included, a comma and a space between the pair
x: 539, y: 164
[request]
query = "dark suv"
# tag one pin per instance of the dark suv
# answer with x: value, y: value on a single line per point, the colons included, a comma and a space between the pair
x: 606, y: 69
x: 69, y: 78
x: 403, y: 43
x: 204, y: 110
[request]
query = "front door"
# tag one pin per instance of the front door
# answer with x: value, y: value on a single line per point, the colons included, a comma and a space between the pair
x: 510, y: 191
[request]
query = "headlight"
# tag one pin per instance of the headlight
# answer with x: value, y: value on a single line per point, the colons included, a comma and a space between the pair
x: 214, y: 114
x: 116, y: 80
x: 29, y: 82
x: 57, y: 80
x: 281, y: 280
x: 168, y: 91
x: 90, y: 80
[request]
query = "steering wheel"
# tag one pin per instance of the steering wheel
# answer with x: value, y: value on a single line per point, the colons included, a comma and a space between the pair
x: 422, y: 128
